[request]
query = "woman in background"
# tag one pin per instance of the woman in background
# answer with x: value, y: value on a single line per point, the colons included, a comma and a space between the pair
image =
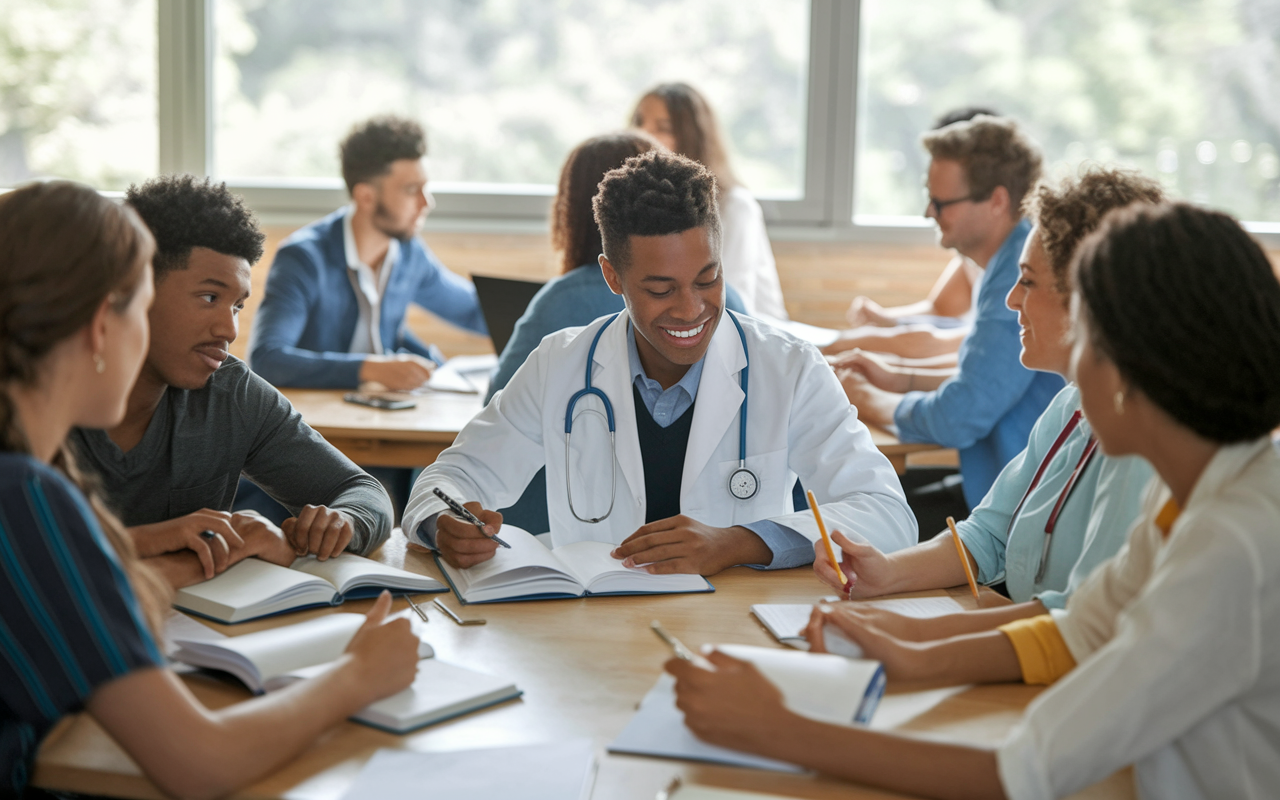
x: 80, y: 615
x: 580, y: 294
x: 679, y: 117
x: 1168, y: 656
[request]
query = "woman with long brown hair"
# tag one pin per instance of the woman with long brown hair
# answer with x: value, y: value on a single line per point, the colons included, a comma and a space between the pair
x: 678, y: 116
x: 79, y: 614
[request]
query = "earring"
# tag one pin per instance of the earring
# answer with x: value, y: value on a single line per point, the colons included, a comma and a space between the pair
x: 99, y: 364
x: 1118, y: 402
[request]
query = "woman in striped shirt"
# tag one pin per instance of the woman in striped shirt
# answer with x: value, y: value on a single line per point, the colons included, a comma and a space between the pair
x: 79, y: 614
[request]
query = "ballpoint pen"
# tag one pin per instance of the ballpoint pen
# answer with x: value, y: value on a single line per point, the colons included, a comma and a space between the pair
x: 462, y: 511
x: 416, y: 609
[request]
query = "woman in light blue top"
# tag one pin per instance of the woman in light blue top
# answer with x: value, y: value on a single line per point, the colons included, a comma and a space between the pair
x: 580, y: 294
x: 1061, y: 507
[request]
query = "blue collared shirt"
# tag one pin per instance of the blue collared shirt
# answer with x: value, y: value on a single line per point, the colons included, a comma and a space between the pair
x: 789, y: 548
x: 986, y: 410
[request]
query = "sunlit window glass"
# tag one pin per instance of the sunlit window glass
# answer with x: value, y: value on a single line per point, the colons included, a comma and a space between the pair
x: 505, y: 88
x: 1184, y: 91
x: 78, y: 91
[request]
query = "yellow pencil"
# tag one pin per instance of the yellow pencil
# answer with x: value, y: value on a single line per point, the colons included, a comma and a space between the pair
x: 826, y: 540
x: 964, y: 556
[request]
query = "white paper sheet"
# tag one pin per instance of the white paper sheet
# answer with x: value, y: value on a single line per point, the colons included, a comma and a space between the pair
x: 559, y: 771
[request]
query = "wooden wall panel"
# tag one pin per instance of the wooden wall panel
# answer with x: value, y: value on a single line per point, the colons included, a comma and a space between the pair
x: 818, y: 279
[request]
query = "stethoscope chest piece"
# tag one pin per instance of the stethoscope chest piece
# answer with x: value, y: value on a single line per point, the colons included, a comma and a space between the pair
x: 743, y: 484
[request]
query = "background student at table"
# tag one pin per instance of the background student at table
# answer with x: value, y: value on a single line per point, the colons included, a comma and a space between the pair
x: 930, y: 330
x: 679, y: 116
x: 580, y: 294
x: 1061, y: 490
x: 81, y: 613
x: 1167, y: 657
x: 198, y: 418
x: 978, y: 174
x: 691, y: 420
x: 333, y: 311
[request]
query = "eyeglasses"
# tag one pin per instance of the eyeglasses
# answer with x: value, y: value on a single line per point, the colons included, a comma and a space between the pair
x: 937, y: 205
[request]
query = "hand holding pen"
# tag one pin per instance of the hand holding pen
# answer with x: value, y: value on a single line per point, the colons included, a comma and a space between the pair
x: 465, y: 537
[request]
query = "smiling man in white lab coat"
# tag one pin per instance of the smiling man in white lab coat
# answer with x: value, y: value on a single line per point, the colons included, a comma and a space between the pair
x: 670, y: 486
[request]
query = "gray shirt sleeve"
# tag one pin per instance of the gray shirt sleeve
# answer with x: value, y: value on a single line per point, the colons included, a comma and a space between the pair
x: 296, y: 466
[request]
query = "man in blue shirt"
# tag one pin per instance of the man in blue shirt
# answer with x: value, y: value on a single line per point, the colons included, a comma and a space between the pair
x: 332, y: 316
x: 979, y: 173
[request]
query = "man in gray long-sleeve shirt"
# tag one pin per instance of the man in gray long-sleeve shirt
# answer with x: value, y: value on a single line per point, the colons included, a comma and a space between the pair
x: 197, y: 418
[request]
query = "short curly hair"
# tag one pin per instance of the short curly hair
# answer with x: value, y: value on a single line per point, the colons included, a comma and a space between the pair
x: 654, y: 194
x: 372, y: 146
x: 993, y: 151
x: 1067, y: 212
x: 183, y: 212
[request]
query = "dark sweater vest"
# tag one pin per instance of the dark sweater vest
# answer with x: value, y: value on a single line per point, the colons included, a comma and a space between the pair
x: 662, y: 453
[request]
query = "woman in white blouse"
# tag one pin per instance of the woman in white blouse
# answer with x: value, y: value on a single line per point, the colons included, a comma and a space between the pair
x: 1168, y: 656
x: 679, y: 117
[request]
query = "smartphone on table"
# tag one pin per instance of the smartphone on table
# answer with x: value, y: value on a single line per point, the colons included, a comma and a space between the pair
x: 378, y: 401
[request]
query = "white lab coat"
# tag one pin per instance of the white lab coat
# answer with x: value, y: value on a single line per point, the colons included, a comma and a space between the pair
x: 799, y: 423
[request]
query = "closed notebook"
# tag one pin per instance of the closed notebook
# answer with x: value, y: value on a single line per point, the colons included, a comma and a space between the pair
x: 786, y: 620
x: 271, y: 659
x: 828, y: 688
x: 531, y: 571
x: 253, y: 588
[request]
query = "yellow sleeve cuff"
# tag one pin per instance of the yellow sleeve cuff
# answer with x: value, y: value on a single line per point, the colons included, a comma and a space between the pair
x: 1042, y: 653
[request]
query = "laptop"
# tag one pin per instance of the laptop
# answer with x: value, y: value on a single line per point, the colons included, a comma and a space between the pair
x: 502, y: 302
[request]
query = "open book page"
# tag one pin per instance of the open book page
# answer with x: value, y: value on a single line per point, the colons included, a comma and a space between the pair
x: 597, y: 570
x: 349, y: 571
x: 253, y: 588
x: 552, y: 771
x: 786, y: 620
x: 527, y: 568
x: 658, y: 729
x: 819, y: 686
x: 824, y: 687
x: 256, y: 658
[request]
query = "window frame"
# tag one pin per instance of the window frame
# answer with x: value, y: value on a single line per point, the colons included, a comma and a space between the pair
x: 824, y: 212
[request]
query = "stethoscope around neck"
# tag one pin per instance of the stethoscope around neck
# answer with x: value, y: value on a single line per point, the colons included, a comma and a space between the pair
x: 743, y: 483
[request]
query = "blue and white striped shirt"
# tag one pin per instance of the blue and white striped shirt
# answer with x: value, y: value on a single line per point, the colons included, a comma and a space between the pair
x: 69, y: 621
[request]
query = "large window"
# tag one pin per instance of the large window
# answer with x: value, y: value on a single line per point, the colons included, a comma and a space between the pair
x: 822, y: 101
x: 1186, y: 91
x: 78, y: 91
x: 504, y: 88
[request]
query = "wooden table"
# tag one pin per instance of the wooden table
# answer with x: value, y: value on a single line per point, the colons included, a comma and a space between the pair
x: 583, y: 665
x: 415, y: 437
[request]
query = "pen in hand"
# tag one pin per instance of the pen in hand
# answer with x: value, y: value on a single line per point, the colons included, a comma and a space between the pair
x: 462, y: 511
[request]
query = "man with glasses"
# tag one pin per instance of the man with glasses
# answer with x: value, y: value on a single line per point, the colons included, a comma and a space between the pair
x: 979, y: 173
x: 927, y: 329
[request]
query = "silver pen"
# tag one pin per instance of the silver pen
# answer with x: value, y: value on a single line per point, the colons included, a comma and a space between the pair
x: 462, y: 511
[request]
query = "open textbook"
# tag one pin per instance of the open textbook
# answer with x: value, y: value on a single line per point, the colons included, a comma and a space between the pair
x: 271, y: 659
x: 824, y: 687
x: 253, y: 588
x: 786, y: 620
x: 531, y: 571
